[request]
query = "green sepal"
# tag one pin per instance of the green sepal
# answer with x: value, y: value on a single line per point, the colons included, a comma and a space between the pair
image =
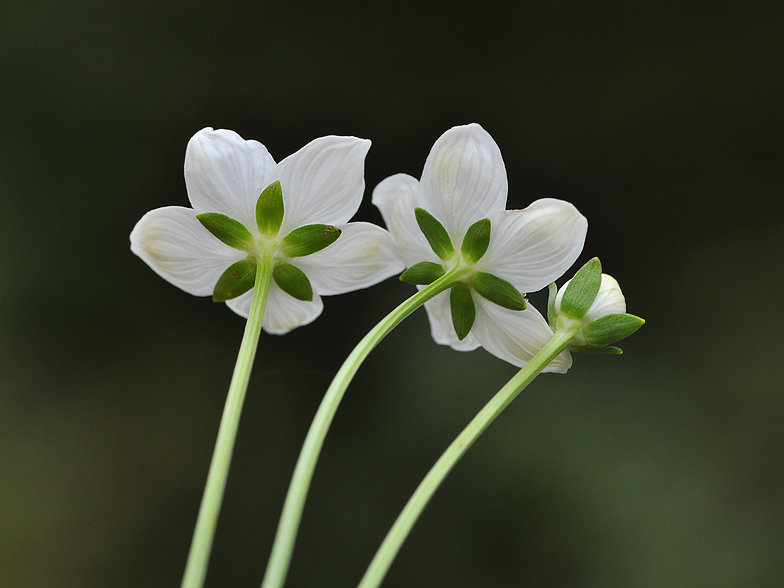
x: 476, y: 240
x: 582, y: 289
x: 597, y: 350
x: 228, y: 230
x: 552, y: 316
x: 423, y: 273
x: 269, y: 210
x: 435, y: 233
x: 611, y: 328
x: 235, y: 281
x: 293, y: 281
x: 309, y: 239
x: 498, y: 290
x: 463, y: 310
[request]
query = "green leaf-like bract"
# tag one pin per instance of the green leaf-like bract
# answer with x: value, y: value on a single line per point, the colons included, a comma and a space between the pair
x: 423, y: 273
x: 463, y: 310
x: 552, y: 316
x: 309, y: 239
x: 236, y: 280
x: 597, y: 350
x: 435, y: 233
x: 499, y: 291
x: 476, y: 240
x: 582, y: 289
x: 293, y: 281
x: 269, y: 209
x: 611, y: 328
x: 228, y: 230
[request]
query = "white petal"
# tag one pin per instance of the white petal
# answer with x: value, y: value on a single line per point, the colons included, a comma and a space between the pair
x: 397, y: 197
x: 226, y: 174
x: 363, y: 255
x: 609, y: 300
x: 323, y: 182
x: 283, y: 312
x: 464, y: 179
x: 532, y: 247
x: 180, y: 250
x: 515, y: 336
x: 439, y: 312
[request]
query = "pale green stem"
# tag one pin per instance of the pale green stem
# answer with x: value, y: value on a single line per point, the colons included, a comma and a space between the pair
x: 424, y: 492
x: 201, y: 544
x: 278, y: 565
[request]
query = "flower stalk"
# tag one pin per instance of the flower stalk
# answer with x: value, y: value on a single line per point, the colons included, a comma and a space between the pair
x: 207, y: 520
x: 424, y: 492
x: 280, y: 557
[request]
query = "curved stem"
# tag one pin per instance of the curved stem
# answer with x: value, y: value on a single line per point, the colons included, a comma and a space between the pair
x: 427, y: 487
x: 278, y: 565
x: 201, y: 544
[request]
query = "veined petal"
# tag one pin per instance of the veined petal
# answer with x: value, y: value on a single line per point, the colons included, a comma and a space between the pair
x: 440, y: 314
x: 323, y: 182
x: 283, y: 312
x: 464, y: 179
x: 226, y: 174
x: 178, y: 248
x: 397, y: 197
x: 515, y: 335
x: 532, y: 247
x: 363, y: 255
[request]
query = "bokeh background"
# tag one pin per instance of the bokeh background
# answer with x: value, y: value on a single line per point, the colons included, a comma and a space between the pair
x: 661, y: 121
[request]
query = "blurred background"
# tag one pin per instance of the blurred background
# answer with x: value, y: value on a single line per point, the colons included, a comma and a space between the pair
x: 661, y: 121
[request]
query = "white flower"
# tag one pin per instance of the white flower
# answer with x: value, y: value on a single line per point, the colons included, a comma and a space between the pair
x: 321, y: 183
x: 609, y: 300
x: 464, y: 181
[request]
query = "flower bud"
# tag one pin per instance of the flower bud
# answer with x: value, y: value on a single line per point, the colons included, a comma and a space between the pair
x: 605, y: 321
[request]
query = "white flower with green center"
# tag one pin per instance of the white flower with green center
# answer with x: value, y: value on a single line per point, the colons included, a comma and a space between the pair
x: 455, y: 217
x: 244, y: 204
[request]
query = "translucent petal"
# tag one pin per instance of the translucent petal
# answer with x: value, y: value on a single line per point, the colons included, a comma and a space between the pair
x: 323, y: 182
x: 609, y: 300
x: 464, y: 179
x: 532, y: 247
x: 363, y: 255
x: 397, y: 197
x: 180, y: 250
x: 283, y: 312
x: 226, y: 174
x: 440, y: 314
x: 515, y: 336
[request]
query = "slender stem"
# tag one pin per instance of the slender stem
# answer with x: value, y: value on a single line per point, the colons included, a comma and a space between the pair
x: 424, y: 492
x: 201, y: 544
x: 278, y: 565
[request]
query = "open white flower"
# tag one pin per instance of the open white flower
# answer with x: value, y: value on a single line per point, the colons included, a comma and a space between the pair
x: 321, y: 183
x: 463, y: 189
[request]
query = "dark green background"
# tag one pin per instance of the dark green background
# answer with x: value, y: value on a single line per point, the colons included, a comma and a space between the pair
x: 661, y: 121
